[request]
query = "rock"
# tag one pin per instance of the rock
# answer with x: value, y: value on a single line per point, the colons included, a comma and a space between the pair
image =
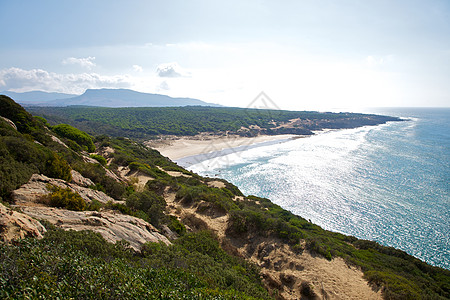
x: 15, y: 225
x: 80, y: 180
x: 111, y: 225
x: 90, y: 160
x: 169, y: 233
x: 9, y: 122
x: 109, y: 173
x: 37, y: 187
x: 55, y: 139
x: 113, y: 175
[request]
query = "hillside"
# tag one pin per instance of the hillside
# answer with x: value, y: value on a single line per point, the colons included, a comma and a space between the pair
x: 143, y: 227
x: 150, y: 122
x: 104, y: 98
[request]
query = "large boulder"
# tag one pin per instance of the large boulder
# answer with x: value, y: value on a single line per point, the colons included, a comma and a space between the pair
x: 111, y: 225
x: 37, y: 187
x: 15, y: 225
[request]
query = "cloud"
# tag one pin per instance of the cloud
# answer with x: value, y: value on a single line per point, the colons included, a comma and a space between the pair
x: 164, y: 86
x: 19, y: 80
x: 86, y: 62
x: 171, y: 70
x: 373, y: 61
x: 137, y: 68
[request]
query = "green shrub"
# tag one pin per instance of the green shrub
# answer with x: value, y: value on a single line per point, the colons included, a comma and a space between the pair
x: 99, y: 158
x: 94, y: 205
x: 82, y: 265
x: 72, y: 133
x: 13, y: 174
x: 176, y: 225
x: 150, y: 203
x: 41, y: 120
x: 22, y: 119
x: 221, y: 198
x: 64, y: 198
x: 73, y: 145
x: 20, y: 158
x: 57, y: 167
x: 120, y: 207
x: 201, y: 253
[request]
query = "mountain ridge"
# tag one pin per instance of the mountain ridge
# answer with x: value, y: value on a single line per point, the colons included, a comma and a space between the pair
x: 104, y: 98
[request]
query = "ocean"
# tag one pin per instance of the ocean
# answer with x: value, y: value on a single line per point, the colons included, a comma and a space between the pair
x: 387, y: 183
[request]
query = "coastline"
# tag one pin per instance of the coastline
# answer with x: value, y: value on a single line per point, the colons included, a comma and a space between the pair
x: 181, y: 148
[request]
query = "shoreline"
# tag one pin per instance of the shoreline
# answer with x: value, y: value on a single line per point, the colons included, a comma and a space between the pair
x: 187, y: 147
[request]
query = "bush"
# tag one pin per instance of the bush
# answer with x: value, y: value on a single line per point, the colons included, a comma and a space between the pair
x: 72, y: 133
x: 57, y: 167
x: 176, y: 225
x: 94, y: 205
x: 150, y: 203
x: 64, y: 198
x: 82, y: 265
x: 22, y: 119
x: 13, y: 174
x: 99, y: 158
x: 41, y: 120
x: 201, y: 253
x: 221, y: 198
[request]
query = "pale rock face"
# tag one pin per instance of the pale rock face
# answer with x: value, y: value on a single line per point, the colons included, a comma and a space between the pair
x: 80, y: 180
x: 10, y: 122
x: 15, y: 225
x: 37, y: 187
x: 55, y: 139
x: 112, y: 226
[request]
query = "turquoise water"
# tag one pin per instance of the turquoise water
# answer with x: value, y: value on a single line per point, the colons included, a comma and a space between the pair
x: 387, y: 183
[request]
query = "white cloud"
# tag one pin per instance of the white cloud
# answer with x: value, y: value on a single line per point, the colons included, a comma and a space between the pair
x: 171, y: 70
x: 137, y: 68
x: 373, y: 61
x: 19, y: 80
x: 85, y: 62
x: 164, y: 86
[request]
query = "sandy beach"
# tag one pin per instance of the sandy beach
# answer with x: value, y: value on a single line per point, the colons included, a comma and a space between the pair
x: 188, y: 146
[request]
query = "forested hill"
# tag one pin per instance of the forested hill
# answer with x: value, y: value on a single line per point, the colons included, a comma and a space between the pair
x: 145, y: 122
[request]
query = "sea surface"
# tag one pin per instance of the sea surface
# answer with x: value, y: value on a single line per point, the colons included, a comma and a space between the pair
x: 388, y: 183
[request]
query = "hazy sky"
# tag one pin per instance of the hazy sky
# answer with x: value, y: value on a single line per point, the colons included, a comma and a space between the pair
x: 305, y: 54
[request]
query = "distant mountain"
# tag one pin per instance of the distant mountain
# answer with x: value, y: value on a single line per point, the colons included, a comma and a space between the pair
x: 110, y: 98
x: 36, y: 97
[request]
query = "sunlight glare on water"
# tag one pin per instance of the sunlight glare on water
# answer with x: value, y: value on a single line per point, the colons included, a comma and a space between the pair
x: 388, y: 183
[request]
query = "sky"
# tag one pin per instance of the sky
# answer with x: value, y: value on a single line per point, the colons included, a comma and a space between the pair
x: 304, y: 54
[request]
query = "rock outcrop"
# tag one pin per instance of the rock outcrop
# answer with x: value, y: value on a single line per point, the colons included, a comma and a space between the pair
x: 37, y: 187
x: 80, y: 180
x: 15, y: 225
x: 10, y: 122
x: 112, y: 226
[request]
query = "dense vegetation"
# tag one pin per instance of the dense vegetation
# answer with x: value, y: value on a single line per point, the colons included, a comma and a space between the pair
x: 76, y: 135
x: 146, y: 122
x: 83, y: 265
x: 26, y: 150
